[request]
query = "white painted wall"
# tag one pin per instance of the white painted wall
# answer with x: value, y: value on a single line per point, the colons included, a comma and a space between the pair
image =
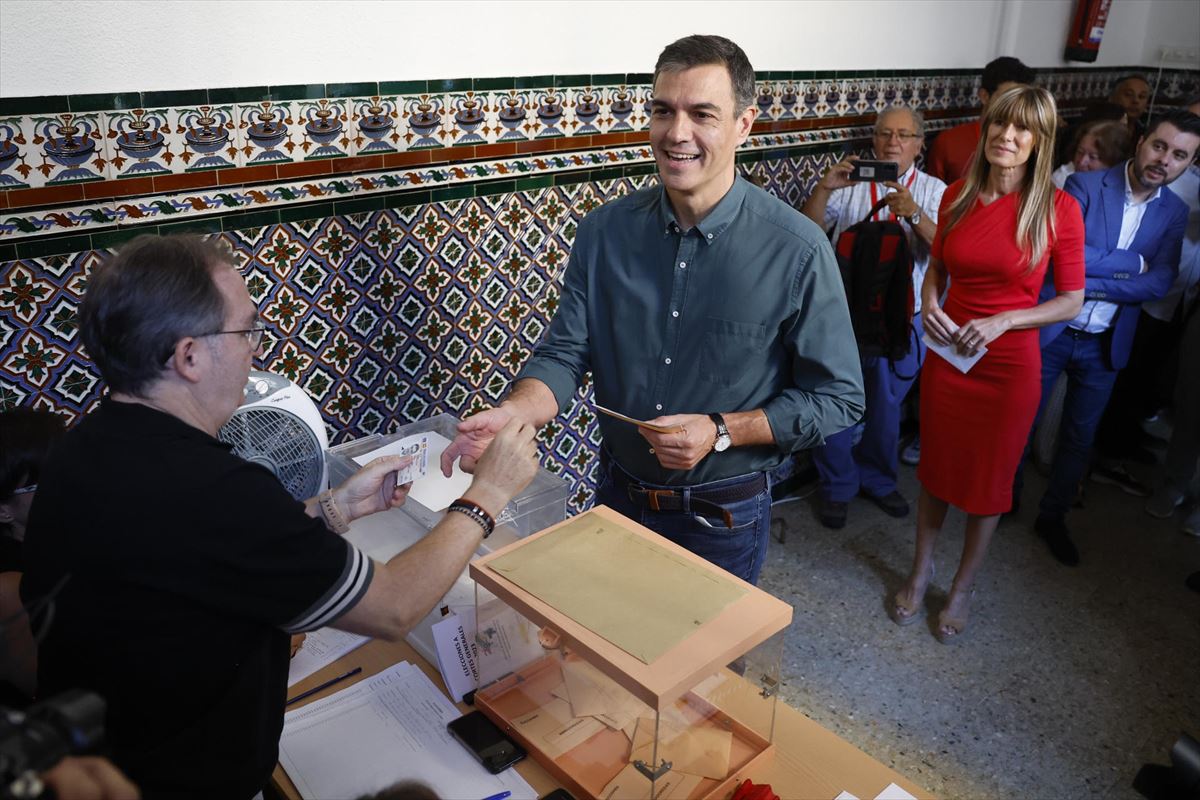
x: 125, y: 45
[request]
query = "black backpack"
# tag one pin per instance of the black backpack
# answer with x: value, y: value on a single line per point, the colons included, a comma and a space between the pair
x: 876, y: 265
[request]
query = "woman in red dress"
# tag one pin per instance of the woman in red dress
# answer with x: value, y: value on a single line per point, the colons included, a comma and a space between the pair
x: 998, y: 228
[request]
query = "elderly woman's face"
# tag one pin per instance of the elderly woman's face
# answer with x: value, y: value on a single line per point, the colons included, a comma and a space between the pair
x: 1008, y: 144
x: 1087, y: 155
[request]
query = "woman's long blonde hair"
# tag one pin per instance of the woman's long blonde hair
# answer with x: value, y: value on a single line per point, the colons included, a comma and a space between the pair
x: 1033, y: 108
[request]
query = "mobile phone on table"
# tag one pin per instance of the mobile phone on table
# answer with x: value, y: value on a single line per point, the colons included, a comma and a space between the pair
x: 557, y: 794
x: 485, y: 741
x: 875, y: 171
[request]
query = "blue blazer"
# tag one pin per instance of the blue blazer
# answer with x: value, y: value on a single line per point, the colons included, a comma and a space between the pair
x: 1113, y: 274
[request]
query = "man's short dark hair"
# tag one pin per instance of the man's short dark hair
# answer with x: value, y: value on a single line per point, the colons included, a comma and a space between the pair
x: 1005, y: 69
x: 698, y: 50
x: 142, y: 301
x: 1181, y: 118
x: 1136, y: 76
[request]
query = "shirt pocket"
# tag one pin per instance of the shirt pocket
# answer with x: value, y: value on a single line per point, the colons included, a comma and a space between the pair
x: 730, y: 350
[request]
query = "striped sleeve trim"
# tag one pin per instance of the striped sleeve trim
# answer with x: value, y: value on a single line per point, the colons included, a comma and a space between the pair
x: 341, y: 597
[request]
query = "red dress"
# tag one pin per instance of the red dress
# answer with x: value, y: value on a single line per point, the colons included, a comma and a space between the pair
x: 974, y: 427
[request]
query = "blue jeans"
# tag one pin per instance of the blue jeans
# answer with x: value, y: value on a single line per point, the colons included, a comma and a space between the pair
x: 1089, y: 385
x: 739, y: 550
x: 865, y: 456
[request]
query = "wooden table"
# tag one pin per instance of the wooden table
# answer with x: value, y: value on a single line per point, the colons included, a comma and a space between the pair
x: 809, y: 762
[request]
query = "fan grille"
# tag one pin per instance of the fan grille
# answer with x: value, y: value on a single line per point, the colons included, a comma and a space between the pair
x: 281, y: 442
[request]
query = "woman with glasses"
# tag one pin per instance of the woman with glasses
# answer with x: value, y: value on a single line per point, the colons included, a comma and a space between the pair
x: 998, y: 229
x: 26, y: 436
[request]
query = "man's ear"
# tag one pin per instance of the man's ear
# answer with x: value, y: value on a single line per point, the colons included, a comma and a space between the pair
x: 189, y: 359
x: 984, y: 95
x: 6, y: 513
x: 745, y: 122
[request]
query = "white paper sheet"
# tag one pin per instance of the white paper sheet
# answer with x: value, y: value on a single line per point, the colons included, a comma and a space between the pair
x: 435, y: 491
x: 960, y: 362
x: 453, y: 638
x: 321, y: 648
x: 894, y: 792
x: 846, y: 796
x: 387, y: 728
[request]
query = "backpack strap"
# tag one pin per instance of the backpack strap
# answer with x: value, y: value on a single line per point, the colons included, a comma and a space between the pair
x: 875, y: 209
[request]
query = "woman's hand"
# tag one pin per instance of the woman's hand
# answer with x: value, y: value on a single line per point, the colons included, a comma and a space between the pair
x: 937, y: 323
x: 980, y: 332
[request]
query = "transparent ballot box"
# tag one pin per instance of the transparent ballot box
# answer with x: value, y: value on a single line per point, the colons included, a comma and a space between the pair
x: 383, y: 535
x: 626, y: 665
x: 541, y: 504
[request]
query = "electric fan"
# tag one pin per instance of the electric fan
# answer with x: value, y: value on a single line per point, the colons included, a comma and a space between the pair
x: 279, y: 426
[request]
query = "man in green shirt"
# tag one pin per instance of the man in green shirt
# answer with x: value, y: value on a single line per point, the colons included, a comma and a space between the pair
x: 705, y: 306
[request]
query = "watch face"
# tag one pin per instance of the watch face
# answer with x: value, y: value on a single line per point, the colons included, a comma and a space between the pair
x: 722, y: 443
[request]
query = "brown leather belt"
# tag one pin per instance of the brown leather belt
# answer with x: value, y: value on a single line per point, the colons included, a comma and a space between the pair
x: 703, y: 501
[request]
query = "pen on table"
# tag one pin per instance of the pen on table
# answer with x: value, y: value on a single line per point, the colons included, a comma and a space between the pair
x: 500, y: 796
x: 325, y: 685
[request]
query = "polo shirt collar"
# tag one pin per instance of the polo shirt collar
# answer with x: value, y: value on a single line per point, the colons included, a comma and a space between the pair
x: 717, y: 221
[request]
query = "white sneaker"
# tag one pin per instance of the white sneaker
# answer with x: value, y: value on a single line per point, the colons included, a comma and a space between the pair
x: 1191, y: 525
x: 911, y: 454
x: 1164, y: 501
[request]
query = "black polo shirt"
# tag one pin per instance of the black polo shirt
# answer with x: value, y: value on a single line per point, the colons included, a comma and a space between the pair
x: 188, y: 568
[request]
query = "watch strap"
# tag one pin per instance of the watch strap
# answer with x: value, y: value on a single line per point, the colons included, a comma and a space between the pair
x: 334, y: 518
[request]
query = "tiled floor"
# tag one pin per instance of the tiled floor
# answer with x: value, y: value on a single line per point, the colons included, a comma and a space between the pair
x: 1067, y: 681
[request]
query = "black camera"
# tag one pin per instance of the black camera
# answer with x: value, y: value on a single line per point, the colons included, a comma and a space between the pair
x: 33, y: 741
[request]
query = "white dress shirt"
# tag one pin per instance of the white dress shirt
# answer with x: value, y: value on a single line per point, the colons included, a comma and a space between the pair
x: 1097, y: 315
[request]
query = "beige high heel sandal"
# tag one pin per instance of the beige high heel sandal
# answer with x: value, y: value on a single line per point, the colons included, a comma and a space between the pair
x: 900, y: 612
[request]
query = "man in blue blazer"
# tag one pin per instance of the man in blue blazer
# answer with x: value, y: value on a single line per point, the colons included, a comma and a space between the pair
x: 1134, y: 230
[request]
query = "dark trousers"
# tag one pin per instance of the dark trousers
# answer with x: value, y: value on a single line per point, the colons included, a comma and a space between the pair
x: 739, y: 550
x: 1089, y: 385
x: 1144, y: 386
x: 865, y: 455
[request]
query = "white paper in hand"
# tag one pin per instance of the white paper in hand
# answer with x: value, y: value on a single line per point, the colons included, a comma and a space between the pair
x: 950, y: 352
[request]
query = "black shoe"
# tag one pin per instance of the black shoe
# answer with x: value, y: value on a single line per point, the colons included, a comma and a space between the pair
x: 1058, y: 539
x: 833, y: 514
x: 892, y: 503
x: 1117, y: 475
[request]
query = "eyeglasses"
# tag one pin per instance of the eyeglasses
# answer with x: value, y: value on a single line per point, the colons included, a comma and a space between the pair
x: 30, y: 489
x: 253, y: 335
x: 903, y: 136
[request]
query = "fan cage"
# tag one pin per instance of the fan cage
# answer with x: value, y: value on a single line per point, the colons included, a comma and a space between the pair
x: 280, y: 441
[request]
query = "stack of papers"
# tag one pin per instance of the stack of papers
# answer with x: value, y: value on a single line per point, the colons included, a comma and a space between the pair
x: 388, y: 728
x: 321, y: 648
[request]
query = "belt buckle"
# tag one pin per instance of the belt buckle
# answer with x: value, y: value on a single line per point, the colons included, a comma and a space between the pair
x: 654, y: 494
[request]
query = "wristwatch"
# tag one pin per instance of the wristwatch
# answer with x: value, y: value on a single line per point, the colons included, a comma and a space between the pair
x: 723, y: 440
x: 915, y: 219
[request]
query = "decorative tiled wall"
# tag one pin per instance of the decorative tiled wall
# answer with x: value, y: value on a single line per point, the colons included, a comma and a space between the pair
x: 397, y: 286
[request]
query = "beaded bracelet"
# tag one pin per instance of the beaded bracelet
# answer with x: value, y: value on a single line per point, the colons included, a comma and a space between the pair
x: 334, y: 517
x: 475, y: 512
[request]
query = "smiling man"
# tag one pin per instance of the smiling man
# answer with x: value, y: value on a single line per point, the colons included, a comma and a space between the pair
x: 1134, y: 233
x: 705, y: 306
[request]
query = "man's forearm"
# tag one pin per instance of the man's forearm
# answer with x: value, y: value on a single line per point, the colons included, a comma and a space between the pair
x: 531, y: 401
x: 814, y: 207
x: 748, y: 428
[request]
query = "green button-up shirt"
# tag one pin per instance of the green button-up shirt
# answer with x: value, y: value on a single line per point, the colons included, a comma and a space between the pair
x: 744, y: 311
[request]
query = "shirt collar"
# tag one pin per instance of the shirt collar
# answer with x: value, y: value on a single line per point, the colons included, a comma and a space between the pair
x: 1129, y: 201
x: 717, y: 221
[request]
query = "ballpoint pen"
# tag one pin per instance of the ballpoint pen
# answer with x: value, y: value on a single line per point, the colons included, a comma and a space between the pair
x: 324, y: 685
x: 500, y: 796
